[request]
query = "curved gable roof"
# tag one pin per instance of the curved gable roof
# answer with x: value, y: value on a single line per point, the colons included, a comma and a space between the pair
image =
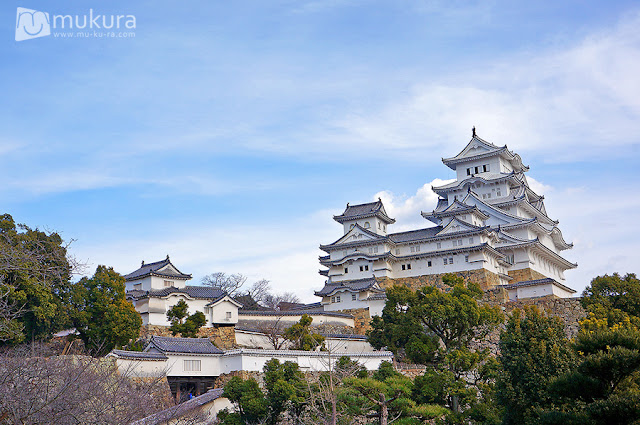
x: 371, y: 209
x: 162, y: 268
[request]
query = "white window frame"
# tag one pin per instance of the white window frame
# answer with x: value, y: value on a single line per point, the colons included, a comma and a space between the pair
x: 192, y: 365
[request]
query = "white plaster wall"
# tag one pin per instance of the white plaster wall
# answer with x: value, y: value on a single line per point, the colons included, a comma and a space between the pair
x: 340, y: 345
x: 254, y: 360
x: 373, y: 225
x: 158, y: 282
x: 562, y: 293
x: 255, y: 340
x: 218, y: 313
x: 144, y: 284
x: 158, y: 308
x: 317, y: 319
x: 209, y: 364
x: 535, y: 291
x: 375, y: 307
x: 140, y: 368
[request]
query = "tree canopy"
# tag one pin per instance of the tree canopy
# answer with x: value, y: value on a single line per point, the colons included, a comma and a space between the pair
x: 533, y: 350
x: 184, y: 324
x: 435, y: 328
x: 100, y: 312
x: 34, y: 280
x: 301, y: 336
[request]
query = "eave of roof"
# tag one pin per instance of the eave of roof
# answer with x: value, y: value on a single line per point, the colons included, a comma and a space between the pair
x: 538, y: 282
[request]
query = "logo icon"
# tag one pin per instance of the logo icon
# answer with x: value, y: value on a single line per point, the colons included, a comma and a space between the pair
x: 31, y: 24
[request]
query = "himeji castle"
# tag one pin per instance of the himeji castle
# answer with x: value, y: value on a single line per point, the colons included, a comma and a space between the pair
x: 488, y: 226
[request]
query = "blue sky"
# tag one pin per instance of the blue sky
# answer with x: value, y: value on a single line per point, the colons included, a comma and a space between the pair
x: 227, y: 134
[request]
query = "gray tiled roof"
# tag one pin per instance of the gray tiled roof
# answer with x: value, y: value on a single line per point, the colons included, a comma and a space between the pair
x: 291, y: 313
x: 415, y: 235
x: 346, y: 336
x: 537, y: 282
x: 374, y: 297
x: 364, y: 210
x: 173, y: 413
x: 184, y: 345
x: 351, y: 285
x: 138, y: 355
x: 202, y: 292
x: 152, y: 268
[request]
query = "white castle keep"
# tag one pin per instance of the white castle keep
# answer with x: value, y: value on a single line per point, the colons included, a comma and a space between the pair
x: 489, y: 227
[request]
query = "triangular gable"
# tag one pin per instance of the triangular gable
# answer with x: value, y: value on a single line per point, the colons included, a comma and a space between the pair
x: 226, y: 298
x: 476, y: 146
x: 508, y: 238
x: 499, y: 217
x: 357, y: 234
x: 455, y: 225
x: 169, y: 269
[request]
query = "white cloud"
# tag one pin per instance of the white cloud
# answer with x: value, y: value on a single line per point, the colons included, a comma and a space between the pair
x: 576, y: 102
x: 406, y: 209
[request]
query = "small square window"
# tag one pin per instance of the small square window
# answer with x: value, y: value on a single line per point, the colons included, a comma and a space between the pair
x: 409, y: 266
x: 404, y: 267
x: 366, y: 268
x: 338, y: 298
x: 450, y: 260
x: 228, y: 315
x: 353, y: 297
x: 438, y: 245
x: 476, y: 169
x: 466, y: 258
x: 444, y: 260
x: 428, y: 263
x: 346, y: 270
x: 361, y: 268
x: 468, y: 171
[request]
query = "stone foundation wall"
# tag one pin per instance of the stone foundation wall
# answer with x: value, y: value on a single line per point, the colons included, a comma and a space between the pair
x: 525, y: 274
x: 485, y: 278
x: 362, y: 319
x: 568, y: 309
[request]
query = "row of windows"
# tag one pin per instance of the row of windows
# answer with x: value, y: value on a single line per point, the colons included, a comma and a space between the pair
x: 480, y: 169
x: 445, y: 261
x: 336, y: 299
x: 367, y: 225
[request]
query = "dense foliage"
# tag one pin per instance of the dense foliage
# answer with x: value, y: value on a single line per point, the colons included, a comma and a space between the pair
x: 436, y: 328
x: 301, y: 336
x: 533, y: 350
x: 184, y: 324
x: 101, y: 313
x: 285, y: 390
x: 34, y: 281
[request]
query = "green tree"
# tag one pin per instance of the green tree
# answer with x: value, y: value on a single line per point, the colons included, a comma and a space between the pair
x: 435, y: 328
x: 301, y: 336
x: 251, y: 404
x: 533, y: 350
x: 100, y: 312
x: 385, y: 396
x: 34, y: 280
x: 182, y: 323
x: 286, y: 390
x: 614, y: 293
x: 604, y: 386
